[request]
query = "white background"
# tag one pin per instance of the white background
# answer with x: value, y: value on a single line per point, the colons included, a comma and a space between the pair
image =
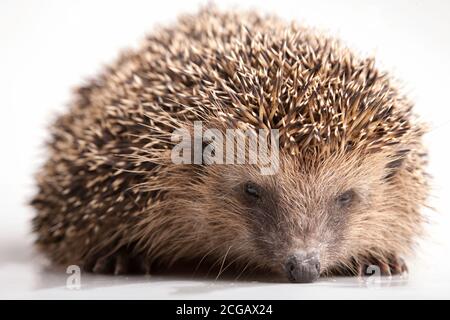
x: 48, y: 47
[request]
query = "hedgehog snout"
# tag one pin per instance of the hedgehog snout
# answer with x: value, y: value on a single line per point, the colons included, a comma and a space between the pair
x: 303, y: 267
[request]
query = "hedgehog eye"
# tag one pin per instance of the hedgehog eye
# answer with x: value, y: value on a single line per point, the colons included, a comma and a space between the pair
x: 252, y: 190
x: 346, y: 198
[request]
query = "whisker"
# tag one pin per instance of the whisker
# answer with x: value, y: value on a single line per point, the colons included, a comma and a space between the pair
x: 201, y: 260
x: 223, y: 262
x: 242, y: 272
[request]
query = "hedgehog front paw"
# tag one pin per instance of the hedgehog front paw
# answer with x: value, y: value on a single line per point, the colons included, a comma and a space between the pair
x: 119, y: 263
x: 394, y: 266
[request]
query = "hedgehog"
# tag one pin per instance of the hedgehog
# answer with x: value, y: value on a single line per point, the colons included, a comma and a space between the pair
x: 349, y: 187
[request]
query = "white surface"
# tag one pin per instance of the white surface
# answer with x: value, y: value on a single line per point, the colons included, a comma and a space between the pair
x: 47, y: 47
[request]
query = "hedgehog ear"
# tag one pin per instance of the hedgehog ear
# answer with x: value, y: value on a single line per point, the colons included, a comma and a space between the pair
x: 396, y: 163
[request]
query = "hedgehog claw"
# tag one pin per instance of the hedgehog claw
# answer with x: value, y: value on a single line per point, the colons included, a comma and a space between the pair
x: 102, y: 265
x: 119, y: 263
x: 398, y: 266
x: 385, y: 269
x: 143, y: 266
x: 395, y: 266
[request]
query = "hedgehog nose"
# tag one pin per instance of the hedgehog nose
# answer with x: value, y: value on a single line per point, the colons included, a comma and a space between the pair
x: 303, y: 267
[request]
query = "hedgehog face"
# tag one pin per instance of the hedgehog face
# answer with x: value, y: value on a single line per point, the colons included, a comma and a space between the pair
x: 308, y: 218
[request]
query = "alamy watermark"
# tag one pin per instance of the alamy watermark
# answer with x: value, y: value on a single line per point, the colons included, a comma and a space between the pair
x: 235, y: 146
x: 73, y: 281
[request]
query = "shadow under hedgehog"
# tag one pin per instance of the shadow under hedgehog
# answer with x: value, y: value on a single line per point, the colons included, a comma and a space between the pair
x: 350, y: 183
